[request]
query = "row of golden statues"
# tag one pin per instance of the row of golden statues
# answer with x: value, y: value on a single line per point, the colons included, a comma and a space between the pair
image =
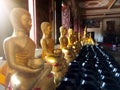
x: 24, y: 71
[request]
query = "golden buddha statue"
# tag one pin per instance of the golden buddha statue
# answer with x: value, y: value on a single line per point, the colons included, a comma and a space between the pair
x: 70, y: 37
x: 84, y: 38
x: 87, y: 39
x: 77, y: 43
x: 63, y: 45
x: 90, y: 41
x: 71, y: 41
x: 24, y: 71
x: 63, y: 39
x: 51, y: 55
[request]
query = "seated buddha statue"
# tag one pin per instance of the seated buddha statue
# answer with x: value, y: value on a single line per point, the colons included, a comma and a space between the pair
x: 70, y: 37
x: 63, y: 40
x: 84, y: 38
x: 71, y: 40
x: 24, y: 71
x: 77, y: 43
x: 87, y: 39
x: 50, y: 54
x: 90, y: 40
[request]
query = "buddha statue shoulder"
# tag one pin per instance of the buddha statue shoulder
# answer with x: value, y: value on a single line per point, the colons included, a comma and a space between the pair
x: 25, y: 71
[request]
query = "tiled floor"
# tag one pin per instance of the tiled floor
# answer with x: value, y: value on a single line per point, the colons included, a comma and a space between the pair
x: 116, y: 55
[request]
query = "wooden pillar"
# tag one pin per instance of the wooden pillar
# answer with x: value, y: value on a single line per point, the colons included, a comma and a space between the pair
x: 71, y: 21
x: 58, y: 20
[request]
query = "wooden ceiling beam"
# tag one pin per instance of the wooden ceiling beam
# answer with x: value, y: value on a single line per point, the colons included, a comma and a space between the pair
x: 111, y: 4
x: 102, y: 11
x: 103, y: 16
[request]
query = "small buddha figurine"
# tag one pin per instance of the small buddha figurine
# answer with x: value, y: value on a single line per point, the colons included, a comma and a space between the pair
x: 24, y: 71
x: 63, y: 45
x: 51, y: 55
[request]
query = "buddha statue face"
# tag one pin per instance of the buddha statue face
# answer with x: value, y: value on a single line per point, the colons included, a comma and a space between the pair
x: 63, y: 30
x: 70, y: 31
x: 21, y: 19
x: 49, y: 31
x: 26, y: 21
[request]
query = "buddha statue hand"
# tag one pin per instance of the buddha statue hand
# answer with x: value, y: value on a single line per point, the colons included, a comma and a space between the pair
x: 57, y: 52
x: 36, y: 63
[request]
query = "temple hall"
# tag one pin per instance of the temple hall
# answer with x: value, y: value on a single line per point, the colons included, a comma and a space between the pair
x: 59, y: 44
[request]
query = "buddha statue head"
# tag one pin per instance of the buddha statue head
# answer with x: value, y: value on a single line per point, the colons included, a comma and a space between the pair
x: 63, y: 31
x: 20, y: 18
x: 46, y: 29
x: 70, y: 31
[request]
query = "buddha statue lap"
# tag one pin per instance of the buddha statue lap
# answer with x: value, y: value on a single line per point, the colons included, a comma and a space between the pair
x: 51, y: 55
x: 24, y: 71
x: 63, y: 45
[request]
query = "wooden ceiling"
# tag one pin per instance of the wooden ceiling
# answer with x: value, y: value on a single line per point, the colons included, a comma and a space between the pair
x: 96, y: 8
